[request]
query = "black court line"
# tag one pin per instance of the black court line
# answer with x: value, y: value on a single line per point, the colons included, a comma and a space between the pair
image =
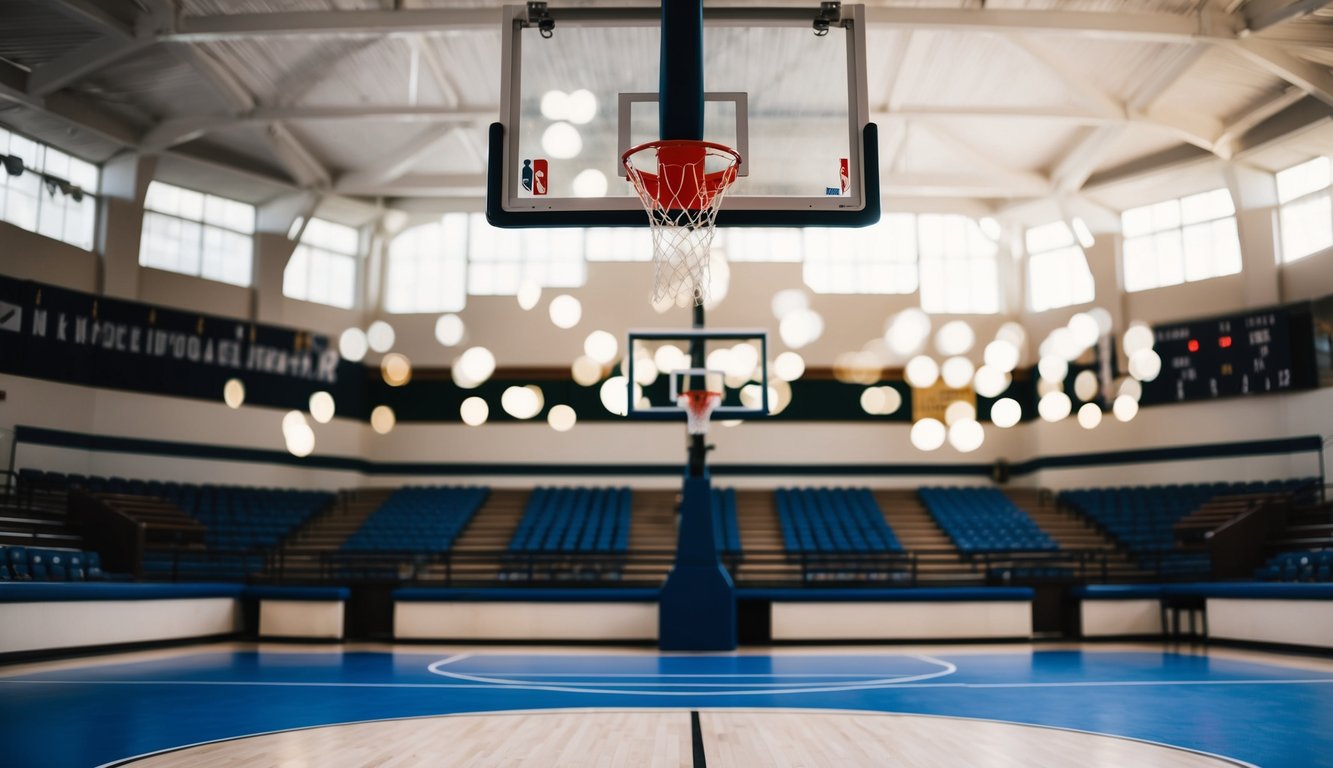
x: 697, y: 738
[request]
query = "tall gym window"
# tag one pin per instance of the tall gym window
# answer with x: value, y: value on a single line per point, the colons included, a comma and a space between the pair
x: 877, y: 259
x: 323, y: 267
x: 1305, y: 213
x: 501, y: 260
x: 760, y: 244
x: 43, y: 198
x: 198, y: 234
x: 1058, y: 274
x: 618, y: 244
x: 958, y: 270
x: 427, y: 270
x: 1177, y: 241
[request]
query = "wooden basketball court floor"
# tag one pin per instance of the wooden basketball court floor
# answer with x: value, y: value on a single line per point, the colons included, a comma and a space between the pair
x: 293, y: 706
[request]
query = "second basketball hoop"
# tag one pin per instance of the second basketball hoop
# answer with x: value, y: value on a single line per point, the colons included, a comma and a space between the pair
x: 681, y: 185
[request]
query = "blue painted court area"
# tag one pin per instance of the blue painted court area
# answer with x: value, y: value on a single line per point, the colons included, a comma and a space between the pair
x: 1268, y: 715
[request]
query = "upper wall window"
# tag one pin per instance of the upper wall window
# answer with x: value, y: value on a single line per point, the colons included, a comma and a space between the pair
x: 501, y: 260
x: 323, y: 267
x: 958, y: 270
x: 36, y: 200
x: 1058, y: 274
x: 198, y: 234
x: 427, y: 269
x: 1168, y: 243
x: 1306, y: 208
x: 877, y: 259
x: 760, y: 244
x: 619, y: 244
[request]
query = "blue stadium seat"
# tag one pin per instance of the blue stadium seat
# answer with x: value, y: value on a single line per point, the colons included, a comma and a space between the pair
x: 18, y: 563
x: 984, y: 520
x: 418, y: 520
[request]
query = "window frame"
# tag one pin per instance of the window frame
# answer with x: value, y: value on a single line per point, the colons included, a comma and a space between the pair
x: 219, y: 233
x: 1166, y: 244
x: 1064, y: 247
x: 313, y: 253
x: 37, y: 165
x: 1285, y: 207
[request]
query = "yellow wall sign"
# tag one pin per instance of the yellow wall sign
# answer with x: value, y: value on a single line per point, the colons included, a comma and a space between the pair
x: 929, y: 403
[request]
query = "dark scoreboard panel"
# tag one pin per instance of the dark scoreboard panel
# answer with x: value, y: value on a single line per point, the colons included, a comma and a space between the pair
x: 1257, y: 352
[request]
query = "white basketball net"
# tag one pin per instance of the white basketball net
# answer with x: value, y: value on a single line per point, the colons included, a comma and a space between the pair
x: 681, y: 185
x: 698, y: 406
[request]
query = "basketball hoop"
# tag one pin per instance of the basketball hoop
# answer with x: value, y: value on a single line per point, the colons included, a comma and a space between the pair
x: 698, y: 405
x: 681, y: 184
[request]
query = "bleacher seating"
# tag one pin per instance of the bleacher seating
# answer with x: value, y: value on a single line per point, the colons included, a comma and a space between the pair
x: 726, y: 530
x: 236, y: 518
x: 1311, y: 565
x: 984, y: 520
x: 844, y: 520
x: 245, y: 518
x: 36, y: 564
x: 1142, y: 518
x: 418, y: 520
x: 574, y: 520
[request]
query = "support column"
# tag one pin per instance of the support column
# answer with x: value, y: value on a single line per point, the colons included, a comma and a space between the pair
x: 273, y: 249
x: 125, y: 179
x: 1255, y: 195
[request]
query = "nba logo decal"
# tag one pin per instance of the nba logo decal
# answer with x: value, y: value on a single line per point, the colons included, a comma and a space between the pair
x: 534, y: 176
x: 843, y: 175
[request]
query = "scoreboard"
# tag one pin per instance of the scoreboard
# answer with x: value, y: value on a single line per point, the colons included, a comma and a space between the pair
x: 1269, y: 350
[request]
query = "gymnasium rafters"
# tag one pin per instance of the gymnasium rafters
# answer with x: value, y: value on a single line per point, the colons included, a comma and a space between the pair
x: 988, y: 104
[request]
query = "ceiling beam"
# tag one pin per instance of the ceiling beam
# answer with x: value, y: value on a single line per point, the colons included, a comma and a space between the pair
x: 1262, y: 14
x: 966, y: 151
x: 401, y: 114
x: 83, y: 61
x: 1055, y: 114
x: 1227, y: 141
x: 225, y: 84
x: 421, y: 185
x: 178, y: 130
x: 208, y: 29
x: 93, y: 14
x: 965, y: 184
x: 1074, y: 169
x: 296, y: 160
x: 396, y: 163
x: 1144, y: 27
x: 1312, y: 78
x: 438, y: 72
x: 1306, y: 115
x: 893, y: 97
x: 1082, y: 88
x: 1147, y: 27
x: 300, y: 164
x: 1175, y: 158
x: 75, y: 111
x: 1079, y: 164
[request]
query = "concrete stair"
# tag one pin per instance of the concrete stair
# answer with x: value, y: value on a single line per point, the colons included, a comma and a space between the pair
x: 938, y: 560
x: 652, y: 529
x: 1073, y: 532
x: 757, y: 523
x: 478, y: 550
x: 326, y: 531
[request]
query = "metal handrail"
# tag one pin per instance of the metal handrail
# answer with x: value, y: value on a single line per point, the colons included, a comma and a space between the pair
x: 639, y: 567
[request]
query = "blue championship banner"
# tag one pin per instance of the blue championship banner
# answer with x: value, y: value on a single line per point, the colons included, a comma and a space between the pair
x: 79, y: 338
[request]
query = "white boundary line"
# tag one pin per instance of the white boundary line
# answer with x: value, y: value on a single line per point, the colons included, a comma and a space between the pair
x: 437, y: 668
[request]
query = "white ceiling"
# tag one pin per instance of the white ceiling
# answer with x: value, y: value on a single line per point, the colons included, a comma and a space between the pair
x: 991, y: 104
